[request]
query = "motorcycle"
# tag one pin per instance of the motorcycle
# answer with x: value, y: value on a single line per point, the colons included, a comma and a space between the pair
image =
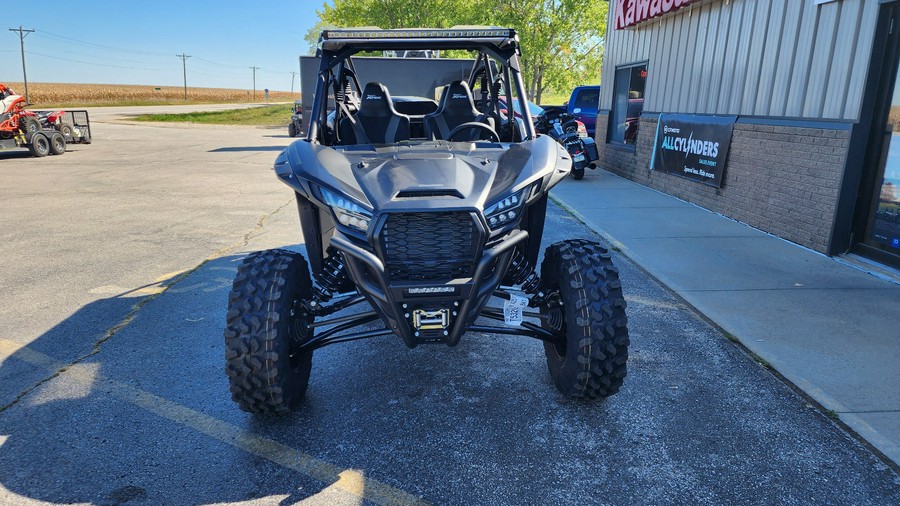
x: 572, y: 134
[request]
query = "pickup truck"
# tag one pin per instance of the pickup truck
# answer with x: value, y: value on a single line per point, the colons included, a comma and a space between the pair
x: 583, y: 105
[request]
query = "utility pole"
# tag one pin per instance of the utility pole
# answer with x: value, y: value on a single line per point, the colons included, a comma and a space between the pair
x: 254, y: 69
x: 22, y: 34
x: 293, y: 75
x: 184, y: 58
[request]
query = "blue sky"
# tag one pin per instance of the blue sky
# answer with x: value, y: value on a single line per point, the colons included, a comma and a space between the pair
x: 135, y: 41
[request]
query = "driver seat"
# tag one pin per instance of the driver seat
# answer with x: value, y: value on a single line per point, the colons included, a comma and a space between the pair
x: 376, y: 122
x: 456, y: 107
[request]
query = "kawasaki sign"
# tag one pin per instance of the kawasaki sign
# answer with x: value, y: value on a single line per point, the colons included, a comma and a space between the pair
x: 632, y: 12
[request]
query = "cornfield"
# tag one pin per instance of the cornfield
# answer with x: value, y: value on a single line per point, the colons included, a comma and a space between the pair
x: 43, y: 94
x: 894, y: 118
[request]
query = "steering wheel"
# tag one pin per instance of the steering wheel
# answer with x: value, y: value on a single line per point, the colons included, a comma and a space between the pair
x: 474, y: 124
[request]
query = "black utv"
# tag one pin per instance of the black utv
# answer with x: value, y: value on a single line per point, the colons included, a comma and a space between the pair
x: 430, y: 224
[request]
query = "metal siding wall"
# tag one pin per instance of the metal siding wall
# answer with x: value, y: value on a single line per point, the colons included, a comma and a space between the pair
x: 861, y: 60
x: 782, y: 58
x: 758, y: 46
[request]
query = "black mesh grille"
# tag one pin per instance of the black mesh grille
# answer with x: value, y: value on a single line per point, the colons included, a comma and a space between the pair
x: 429, y: 246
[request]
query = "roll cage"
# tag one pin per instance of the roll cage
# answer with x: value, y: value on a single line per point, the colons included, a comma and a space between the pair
x: 496, y: 72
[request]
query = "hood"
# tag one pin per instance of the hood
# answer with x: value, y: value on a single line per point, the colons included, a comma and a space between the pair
x: 417, y: 176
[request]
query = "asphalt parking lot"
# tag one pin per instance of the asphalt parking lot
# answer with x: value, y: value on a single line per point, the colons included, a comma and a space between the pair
x: 118, y: 259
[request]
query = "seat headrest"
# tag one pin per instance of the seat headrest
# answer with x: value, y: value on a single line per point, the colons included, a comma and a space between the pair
x: 376, y: 101
x: 459, y: 98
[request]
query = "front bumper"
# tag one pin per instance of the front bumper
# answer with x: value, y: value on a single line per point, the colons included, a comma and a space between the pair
x: 404, y: 306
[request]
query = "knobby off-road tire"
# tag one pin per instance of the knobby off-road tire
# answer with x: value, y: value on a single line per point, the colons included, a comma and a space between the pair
x: 30, y: 125
x: 591, y: 362
x: 265, y: 371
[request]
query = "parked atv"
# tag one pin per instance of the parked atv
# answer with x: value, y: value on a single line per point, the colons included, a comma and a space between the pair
x: 422, y: 224
x: 296, y: 124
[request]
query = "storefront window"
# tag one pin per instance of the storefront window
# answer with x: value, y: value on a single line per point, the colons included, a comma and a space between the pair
x: 628, y: 103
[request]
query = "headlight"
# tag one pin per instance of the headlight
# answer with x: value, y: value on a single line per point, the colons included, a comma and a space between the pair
x: 505, y: 211
x: 346, y: 211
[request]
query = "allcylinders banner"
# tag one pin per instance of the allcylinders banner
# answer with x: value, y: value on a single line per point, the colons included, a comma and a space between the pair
x: 692, y: 146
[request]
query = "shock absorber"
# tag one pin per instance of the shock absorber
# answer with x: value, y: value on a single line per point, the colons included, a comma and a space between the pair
x: 331, y: 277
x: 521, y: 272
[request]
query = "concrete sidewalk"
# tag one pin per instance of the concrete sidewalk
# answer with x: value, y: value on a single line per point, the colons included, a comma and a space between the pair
x: 830, y: 328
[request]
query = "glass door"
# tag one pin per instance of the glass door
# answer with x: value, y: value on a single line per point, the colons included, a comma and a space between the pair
x: 880, y: 238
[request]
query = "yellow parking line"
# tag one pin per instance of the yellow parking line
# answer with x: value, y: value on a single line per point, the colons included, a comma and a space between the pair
x: 348, y: 480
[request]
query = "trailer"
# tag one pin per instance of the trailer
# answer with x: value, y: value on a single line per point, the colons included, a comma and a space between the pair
x: 74, y: 125
x: 57, y: 129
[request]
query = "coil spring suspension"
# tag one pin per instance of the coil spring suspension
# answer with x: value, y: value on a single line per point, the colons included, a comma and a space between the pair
x: 331, y: 277
x: 522, y: 273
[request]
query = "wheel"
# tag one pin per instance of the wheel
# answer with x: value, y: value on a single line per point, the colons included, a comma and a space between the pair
x: 40, y: 145
x: 586, y: 308
x: 57, y: 143
x: 266, y: 372
x: 578, y: 173
x: 67, y: 131
x: 292, y: 130
x: 30, y: 125
x: 473, y: 125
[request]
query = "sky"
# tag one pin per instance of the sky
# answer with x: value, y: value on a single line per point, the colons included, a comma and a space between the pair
x: 136, y: 42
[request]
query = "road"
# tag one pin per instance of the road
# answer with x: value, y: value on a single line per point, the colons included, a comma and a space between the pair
x: 118, y: 258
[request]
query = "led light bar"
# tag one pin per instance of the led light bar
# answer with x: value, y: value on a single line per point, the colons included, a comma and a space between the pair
x: 459, y: 32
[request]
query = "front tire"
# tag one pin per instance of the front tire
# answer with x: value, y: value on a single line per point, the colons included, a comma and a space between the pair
x: 267, y: 372
x: 292, y: 130
x: 586, y: 306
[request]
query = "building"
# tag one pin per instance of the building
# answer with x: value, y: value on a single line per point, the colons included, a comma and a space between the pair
x: 804, y: 91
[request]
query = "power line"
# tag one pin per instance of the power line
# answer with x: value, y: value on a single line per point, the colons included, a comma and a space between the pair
x: 95, y: 45
x: 98, y: 64
x: 22, y: 34
x: 184, y: 58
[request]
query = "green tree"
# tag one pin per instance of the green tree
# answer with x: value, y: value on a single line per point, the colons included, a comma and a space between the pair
x: 562, y: 40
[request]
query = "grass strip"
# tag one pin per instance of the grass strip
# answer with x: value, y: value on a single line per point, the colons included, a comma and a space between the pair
x: 275, y: 115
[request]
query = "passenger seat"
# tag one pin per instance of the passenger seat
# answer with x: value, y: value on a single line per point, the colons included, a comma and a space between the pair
x: 376, y: 122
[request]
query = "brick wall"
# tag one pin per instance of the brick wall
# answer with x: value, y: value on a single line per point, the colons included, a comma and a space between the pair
x: 784, y: 180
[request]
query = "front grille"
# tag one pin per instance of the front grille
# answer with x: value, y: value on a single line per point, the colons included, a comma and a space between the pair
x: 429, y: 246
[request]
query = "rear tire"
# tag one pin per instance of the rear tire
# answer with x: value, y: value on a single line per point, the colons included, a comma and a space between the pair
x: 40, y: 145
x: 577, y: 174
x: 292, y: 130
x: 67, y: 131
x: 266, y: 372
x: 57, y: 143
x: 586, y: 306
x: 30, y: 125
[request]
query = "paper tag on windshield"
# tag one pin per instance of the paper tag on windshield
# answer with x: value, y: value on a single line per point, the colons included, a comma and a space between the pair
x: 512, y: 310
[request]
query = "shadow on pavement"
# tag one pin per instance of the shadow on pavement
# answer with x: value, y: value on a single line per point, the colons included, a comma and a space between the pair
x: 149, y: 418
x: 246, y: 148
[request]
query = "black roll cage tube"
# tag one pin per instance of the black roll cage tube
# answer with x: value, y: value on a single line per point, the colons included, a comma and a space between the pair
x: 340, y: 59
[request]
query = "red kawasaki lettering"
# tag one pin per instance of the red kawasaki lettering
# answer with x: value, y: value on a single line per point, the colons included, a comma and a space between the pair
x: 629, y: 14
x: 620, y: 14
x: 655, y: 8
x: 667, y: 5
x: 641, y: 10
